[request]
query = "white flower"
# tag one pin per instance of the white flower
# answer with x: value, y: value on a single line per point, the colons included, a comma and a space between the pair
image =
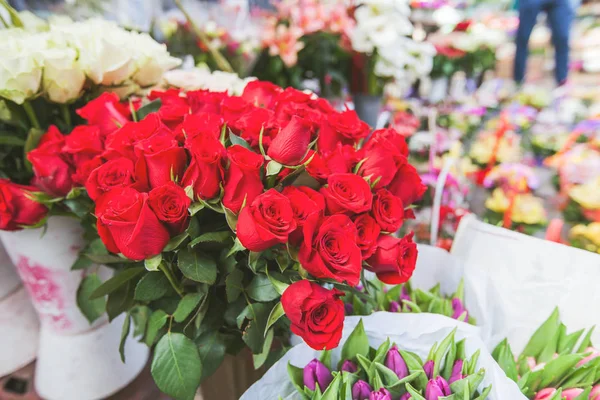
x: 20, y: 67
x: 63, y: 79
x: 202, y: 78
x: 153, y: 60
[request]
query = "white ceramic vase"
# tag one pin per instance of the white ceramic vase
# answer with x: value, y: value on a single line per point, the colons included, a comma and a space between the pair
x: 76, y: 360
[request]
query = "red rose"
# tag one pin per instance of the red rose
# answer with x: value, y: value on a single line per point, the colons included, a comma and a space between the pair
x: 347, y: 193
x: 205, y: 172
x: 305, y: 201
x: 394, y: 259
x: 291, y: 95
x: 286, y: 111
x: 388, y: 211
x: 342, y: 127
x: 232, y: 107
x: 407, y: 185
x: 380, y: 165
x: 159, y: 160
x: 84, y: 169
x: 267, y: 221
x: 201, y: 124
x: 83, y: 143
x: 249, y: 125
x: 388, y: 139
x: 342, y: 159
x: 52, y: 168
x: 127, y: 224
x: 463, y: 26
x: 261, y: 94
x: 106, y: 111
x: 173, y: 107
x: 368, y: 232
x: 242, y: 178
x: 115, y: 173
x: 170, y: 204
x: 290, y: 145
x: 16, y: 209
x: 316, y: 314
x: 329, y: 249
x: 121, y: 143
x: 205, y: 101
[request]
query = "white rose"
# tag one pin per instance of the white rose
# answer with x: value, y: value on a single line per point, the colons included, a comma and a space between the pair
x: 20, y: 67
x: 152, y: 60
x: 63, y: 79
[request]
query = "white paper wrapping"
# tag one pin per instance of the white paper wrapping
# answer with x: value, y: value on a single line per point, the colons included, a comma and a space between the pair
x: 413, y: 332
x: 514, y: 281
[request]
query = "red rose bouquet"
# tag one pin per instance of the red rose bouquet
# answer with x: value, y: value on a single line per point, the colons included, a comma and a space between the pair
x: 221, y: 213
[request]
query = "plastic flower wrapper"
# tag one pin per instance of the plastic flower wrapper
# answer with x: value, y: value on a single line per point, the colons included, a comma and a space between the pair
x: 521, y: 212
x: 405, y: 299
x: 586, y: 237
x: 395, y: 356
x: 554, y: 364
x: 584, y: 202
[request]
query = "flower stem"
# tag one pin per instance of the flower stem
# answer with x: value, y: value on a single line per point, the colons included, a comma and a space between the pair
x: 31, y: 115
x: 66, y: 113
x: 167, y: 271
x: 221, y: 62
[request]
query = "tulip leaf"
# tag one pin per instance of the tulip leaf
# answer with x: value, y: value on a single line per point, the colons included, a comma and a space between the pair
x: 468, y: 384
x: 484, y: 395
x: 382, y: 351
x: 449, y: 362
x: 176, y: 366
x: 414, y: 365
x: 365, y: 364
x: 152, y: 286
x: 147, y: 109
x: 506, y: 359
x: 333, y: 389
x: 585, y: 394
x: 357, y: 343
x: 567, y: 343
x: 587, y: 341
x: 441, y: 352
x: 406, y: 379
x: 472, y: 363
x: 92, y: 309
x: 539, y: 339
x: 212, y: 349
x: 388, y: 377
x: 197, y: 266
x: 551, y: 346
x: 261, y: 289
x: 415, y: 395
x: 558, y: 367
x: 157, y: 320
x: 116, y: 281
x: 187, y: 305
x: 296, y: 376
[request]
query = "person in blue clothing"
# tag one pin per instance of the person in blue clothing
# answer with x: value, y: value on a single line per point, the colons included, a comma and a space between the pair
x: 560, y: 15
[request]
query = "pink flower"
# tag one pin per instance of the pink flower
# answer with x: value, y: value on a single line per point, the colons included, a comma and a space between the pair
x: 545, y: 394
x: 595, y: 393
x: 286, y: 45
x: 570, y: 394
x: 594, y: 353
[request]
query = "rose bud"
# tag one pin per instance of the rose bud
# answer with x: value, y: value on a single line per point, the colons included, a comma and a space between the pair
x: 381, y: 394
x: 456, y: 374
x: 361, y: 390
x: 572, y: 393
x: 315, y: 372
x: 347, y: 194
x: 290, y: 145
x: 114, y: 173
x: 16, y: 209
x: 595, y: 393
x: 394, y: 306
x: 428, y: 368
x: 394, y: 259
x: 437, y: 387
x: 349, y: 366
x: 407, y: 185
x: 545, y: 394
x: 242, y: 178
x: 594, y: 353
x: 396, y: 363
x: 368, y: 232
x: 316, y: 314
x: 459, y: 310
x: 388, y: 211
x: 127, y: 224
x: 170, y: 203
x: 267, y: 221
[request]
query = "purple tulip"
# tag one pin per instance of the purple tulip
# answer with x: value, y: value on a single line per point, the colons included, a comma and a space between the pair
x: 428, y: 368
x: 456, y: 371
x: 394, y: 306
x: 316, y: 372
x: 396, y: 363
x: 381, y: 394
x: 405, y: 296
x: 361, y: 390
x: 406, y: 396
x: 349, y: 366
x: 437, y: 387
x: 349, y: 308
x: 459, y: 309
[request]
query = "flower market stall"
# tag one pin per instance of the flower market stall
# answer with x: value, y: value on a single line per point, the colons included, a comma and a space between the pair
x: 309, y: 199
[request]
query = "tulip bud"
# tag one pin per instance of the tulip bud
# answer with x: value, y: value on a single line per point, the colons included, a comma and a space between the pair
x: 361, y: 390
x: 394, y: 306
x: 396, y: 363
x: 406, y: 396
x: 572, y: 393
x: 437, y: 387
x: 428, y: 368
x: 531, y: 363
x: 545, y: 394
x: 595, y: 393
x: 404, y: 294
x: 459, y: 309
x: 349, y: 308
x: 316, y: 372
x: 381, y: 394
x: 349, y: 366
x: 456, y: 374
x: 594, y: 353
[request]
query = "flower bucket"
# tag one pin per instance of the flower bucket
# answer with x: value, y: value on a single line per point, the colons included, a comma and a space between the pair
x: 368, y: 108
x: 76, y: 360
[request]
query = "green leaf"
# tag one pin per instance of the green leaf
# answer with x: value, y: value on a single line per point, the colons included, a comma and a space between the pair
x: 140, y: 315
x: 120, y: 300
x: 261, y: 289
x: 259, y: 359
x: 273, y: 168
x: 357, y: 343
x: 484, y: 395
x: 233, y: 285
x: 279, y: 286
x: 506, y: 359
x: 558, y: 368
x: 157, y: 320
x: 116, y: 281
x: 539, y: 339
x: 236, y: 140
x: 151, y: 264
x: 276, y: 313
x: 296, y: 376
x: 197, y: 266
x: 175, y: 242
x: 585, y: 394
x: 187, y: 305
x: 82, y: 262
x: 468, y: 384
x: 231, y: 219
x: 587, y: 341
x: 415, y: 365
x: 91, y: 309
x: 388, y: 377
x: 441, y: 352
x: 253, y: 334
x: 152, y: 286
x: 415, y: 395
x: 176, y: 366
x: 333, y: 390
x: 211, y: 348
x: 211, y: 237
x: 124, y: 334
x: 149, y: 108
x: 567, y: 343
